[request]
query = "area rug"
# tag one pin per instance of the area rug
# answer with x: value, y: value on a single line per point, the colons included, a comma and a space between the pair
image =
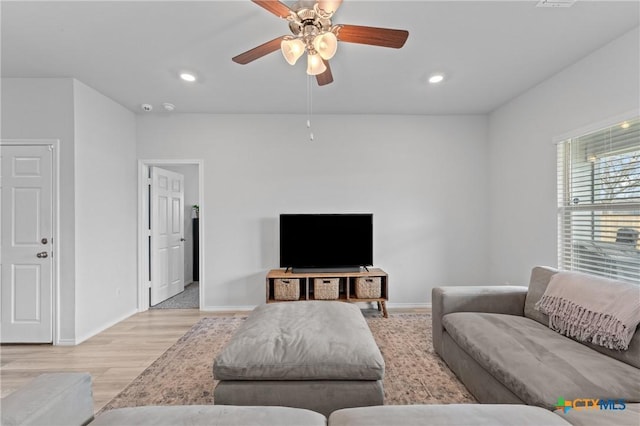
x: 183, y: 374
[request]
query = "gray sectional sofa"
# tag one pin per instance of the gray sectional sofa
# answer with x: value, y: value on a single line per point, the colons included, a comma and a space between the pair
x: 64, y: 399
x: 502, y: 349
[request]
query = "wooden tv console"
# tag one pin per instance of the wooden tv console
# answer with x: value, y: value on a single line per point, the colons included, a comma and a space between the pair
x: 347, y: 285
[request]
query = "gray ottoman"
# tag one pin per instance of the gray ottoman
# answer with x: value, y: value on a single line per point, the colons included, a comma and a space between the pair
x: 316, y: 355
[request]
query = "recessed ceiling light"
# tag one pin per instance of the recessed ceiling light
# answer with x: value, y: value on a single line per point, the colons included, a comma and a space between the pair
x: 188, y: 77
x: 625, y: 125
x: 436, y: 78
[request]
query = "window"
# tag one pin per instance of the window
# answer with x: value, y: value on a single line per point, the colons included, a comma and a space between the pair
x: 599, y: 202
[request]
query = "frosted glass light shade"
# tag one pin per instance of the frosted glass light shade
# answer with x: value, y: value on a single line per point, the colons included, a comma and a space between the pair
x: 329, y: 6
x: 326, y: 45
x: 292, y: 49
x: 315, y: 65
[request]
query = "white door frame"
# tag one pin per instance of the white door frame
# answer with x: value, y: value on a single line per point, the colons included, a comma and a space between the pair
x: 143, y: 261
x: 55, y: 247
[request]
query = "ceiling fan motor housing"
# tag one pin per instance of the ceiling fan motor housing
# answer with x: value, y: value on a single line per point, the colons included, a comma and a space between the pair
x: 308, y: 22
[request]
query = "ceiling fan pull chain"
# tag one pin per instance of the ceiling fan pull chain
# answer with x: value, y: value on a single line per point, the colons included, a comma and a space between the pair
x: 309, y: 106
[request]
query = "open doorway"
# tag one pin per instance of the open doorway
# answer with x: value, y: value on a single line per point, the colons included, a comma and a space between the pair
x: 185, y: 224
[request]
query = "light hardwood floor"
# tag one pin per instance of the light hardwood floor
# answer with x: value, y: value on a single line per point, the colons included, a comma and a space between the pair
x: 113, y: 358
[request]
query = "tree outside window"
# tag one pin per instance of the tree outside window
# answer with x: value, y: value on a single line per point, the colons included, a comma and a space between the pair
x: 599, y: 202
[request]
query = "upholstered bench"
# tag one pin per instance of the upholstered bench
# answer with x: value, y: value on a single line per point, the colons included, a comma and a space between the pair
x: 316, y: 355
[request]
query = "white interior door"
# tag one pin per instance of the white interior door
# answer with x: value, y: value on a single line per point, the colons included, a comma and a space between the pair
x: 26, y: 259
x: 167, y: 234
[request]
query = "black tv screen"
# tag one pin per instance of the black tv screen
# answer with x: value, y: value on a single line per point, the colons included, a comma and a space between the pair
x: 325, y: 241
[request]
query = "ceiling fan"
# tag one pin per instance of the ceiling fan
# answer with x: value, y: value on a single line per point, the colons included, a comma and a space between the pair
x: 313, y: 33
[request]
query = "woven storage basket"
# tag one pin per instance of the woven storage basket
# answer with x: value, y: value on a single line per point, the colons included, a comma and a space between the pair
x: 326, y: 288
x: 286, y: 289
x: 368, y: 287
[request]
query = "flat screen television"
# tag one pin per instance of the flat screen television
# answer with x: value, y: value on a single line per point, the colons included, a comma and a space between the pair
x: 326, y: 241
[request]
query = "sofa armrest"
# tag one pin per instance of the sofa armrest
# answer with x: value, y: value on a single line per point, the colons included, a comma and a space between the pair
x: 491, y: 299
x: 50, y: 399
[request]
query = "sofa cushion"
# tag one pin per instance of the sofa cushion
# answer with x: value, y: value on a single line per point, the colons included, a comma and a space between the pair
x: 631, y: 356
x: 538, y: 364
x: 449, y: 415
x: 210, y: 415
x: 50, y: 399
x: 309, y: 340
x: 540, y: 276
x: 630, y: 416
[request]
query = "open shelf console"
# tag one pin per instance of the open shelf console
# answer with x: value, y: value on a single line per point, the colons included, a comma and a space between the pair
x: 358, y: 286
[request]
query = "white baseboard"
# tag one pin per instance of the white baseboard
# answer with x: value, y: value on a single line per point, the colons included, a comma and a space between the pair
x: 65, y: 342
x: 248, y: 308
x: 99, y: 329
x: 240, y: 308
x: 409, y: 305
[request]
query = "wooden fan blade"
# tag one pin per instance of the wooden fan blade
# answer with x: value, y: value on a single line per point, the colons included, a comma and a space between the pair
x: 258, y: 52
x: 384, y: 37
x: 279, y: 9
x: 326, y: 77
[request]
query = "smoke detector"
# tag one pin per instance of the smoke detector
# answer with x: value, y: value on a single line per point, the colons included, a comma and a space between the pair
x: 555, y: 3
x: 146, y: 107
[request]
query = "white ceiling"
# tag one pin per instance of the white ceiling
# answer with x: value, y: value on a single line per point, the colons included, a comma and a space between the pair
x: 133, y: 51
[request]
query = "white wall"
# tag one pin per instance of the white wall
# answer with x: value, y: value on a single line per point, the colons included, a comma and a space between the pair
x: 98, y: 195
x: 42, y: 108
x: 523, y: 158
x: 423, y: 178
x: 191, y: 188
x: 106, y: 209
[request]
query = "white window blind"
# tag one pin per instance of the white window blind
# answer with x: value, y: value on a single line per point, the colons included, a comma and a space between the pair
x: 599, y: 202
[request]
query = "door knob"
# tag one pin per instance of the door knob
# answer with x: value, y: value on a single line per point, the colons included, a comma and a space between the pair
x: 181, y: 239
x: 42, y: 254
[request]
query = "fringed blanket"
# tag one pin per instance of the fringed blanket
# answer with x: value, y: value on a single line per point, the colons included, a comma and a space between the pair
x: 592, y: 309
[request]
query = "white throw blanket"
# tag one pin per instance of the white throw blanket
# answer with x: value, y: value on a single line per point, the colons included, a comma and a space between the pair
x: 592, y: 309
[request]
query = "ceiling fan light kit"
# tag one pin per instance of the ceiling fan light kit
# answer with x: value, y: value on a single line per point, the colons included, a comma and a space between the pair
x: 314, y: 33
